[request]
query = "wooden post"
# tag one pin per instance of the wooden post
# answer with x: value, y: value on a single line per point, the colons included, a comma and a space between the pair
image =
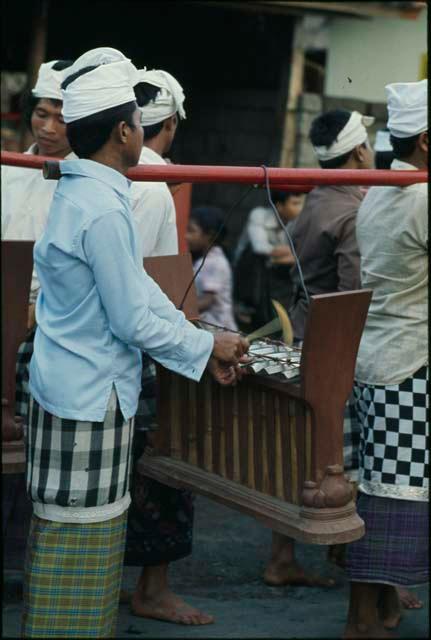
x: 288, y: 145
x: 36, y: 57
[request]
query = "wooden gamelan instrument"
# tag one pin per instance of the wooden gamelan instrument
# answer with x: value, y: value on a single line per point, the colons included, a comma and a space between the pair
x: 17, y: 264
x: 272, y: 446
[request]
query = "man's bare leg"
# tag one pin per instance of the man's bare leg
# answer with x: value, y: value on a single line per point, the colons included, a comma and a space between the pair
x: 153, y: 599
x: 389, y: 606
x: 283, y: 568
x: 363, y: 620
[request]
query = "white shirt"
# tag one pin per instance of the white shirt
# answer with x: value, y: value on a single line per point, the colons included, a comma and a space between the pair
x: 392, y: 235
x: 154, y: 212
x: 263, y: 232
x: 25, y: 201
x: 216, y: 277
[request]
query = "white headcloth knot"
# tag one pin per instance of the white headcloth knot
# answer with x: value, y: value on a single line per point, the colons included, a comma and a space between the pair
x: 353, y: 134
x: 94, y: 57
x: 109, y: 85
x: 407, y: 108
x: 167, y: 102
x: 49, y: 81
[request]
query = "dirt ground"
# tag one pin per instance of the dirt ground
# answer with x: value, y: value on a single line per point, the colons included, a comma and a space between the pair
x: 223, y: 577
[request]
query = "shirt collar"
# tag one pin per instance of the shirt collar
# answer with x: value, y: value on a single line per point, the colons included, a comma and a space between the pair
x: 33, y: 150
x: 401, y: 165
x: 149, y: 156
x: 98, y: 171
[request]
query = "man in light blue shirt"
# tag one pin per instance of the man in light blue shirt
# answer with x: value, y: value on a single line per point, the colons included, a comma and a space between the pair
x: 96, y: 311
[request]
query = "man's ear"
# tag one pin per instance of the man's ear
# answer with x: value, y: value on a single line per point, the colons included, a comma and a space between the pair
x: 121, y: 132
x: 359, y: 153
x: 423, y: 141
x: 170, y: 123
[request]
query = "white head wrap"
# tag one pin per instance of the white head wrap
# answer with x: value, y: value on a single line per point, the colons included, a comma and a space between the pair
x: 109, y: 85
x: 407, y: 108
x: 167, y: 102
x: 49, y: 81
x: 353, y: 134
x: 94, y: 57
x: 382, y: 142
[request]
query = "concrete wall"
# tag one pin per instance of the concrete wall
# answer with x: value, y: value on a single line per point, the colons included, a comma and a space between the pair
x: 373, y: 53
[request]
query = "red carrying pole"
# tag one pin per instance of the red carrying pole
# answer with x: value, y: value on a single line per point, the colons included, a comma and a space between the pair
x: 278, y: 178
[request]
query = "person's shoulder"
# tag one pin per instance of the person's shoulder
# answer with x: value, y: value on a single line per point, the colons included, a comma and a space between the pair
x: 217, y: 257
x: 88, y: 196
x: 258, y: 214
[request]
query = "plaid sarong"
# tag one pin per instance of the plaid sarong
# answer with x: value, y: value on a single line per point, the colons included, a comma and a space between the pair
x: 394, y: 549
x: 22, y: 393
x: 75, y: 463
x: 72, y: 579
x: 160, y: 518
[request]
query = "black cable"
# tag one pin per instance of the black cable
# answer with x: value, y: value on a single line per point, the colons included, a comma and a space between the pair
x: 284, y: 227
x: 222, y: 226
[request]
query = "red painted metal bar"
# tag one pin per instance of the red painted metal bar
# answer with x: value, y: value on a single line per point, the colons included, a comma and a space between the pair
x: 248, y: 175
x: 11, y: 116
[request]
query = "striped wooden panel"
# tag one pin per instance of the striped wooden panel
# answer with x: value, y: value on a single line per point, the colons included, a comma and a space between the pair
x: 258, y: 437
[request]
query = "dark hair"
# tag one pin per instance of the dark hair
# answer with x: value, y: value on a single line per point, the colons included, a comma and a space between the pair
x: 324, y: 131
x: 88, y: 135
x: 404, y: 147
x: 145, y: 93
x: 29, y: 101
x: 282, y: 196
x: 210, y: 220
x: 383, y: 159
x: 152, y: 130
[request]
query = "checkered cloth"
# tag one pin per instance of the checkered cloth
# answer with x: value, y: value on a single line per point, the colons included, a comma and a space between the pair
x: 145, y: 418
x: 22, y: 393
x: 394, y: 448
x: 72, y: 579
x: 395, y: 547
x: 72, y: 463
x: 352, y: 436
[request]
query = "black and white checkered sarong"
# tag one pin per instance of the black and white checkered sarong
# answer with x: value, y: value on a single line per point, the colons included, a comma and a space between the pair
x: 394, y: 447
x: 22, y: 393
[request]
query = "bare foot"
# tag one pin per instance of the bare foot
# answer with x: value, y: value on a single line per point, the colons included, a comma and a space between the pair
x: 168, y: 607
x: 408, y: 599
x: 279, y: 574
x: 366, y: 631
x: 389, y: 607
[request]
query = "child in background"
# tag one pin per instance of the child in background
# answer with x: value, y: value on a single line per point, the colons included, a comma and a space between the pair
x: 214, y: 280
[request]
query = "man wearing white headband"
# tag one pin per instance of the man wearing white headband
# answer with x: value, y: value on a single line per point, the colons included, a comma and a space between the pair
x: 391, y: 380
x: 25, y: 202
x: 384, y: 153
x: 26, y: 196
x: 98, y: 309
x: 160, y: 99
x: 148, y: 545
x: 325, y: 243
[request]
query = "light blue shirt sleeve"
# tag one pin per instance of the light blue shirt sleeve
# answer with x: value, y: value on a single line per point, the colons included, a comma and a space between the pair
x: 138, y: 312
